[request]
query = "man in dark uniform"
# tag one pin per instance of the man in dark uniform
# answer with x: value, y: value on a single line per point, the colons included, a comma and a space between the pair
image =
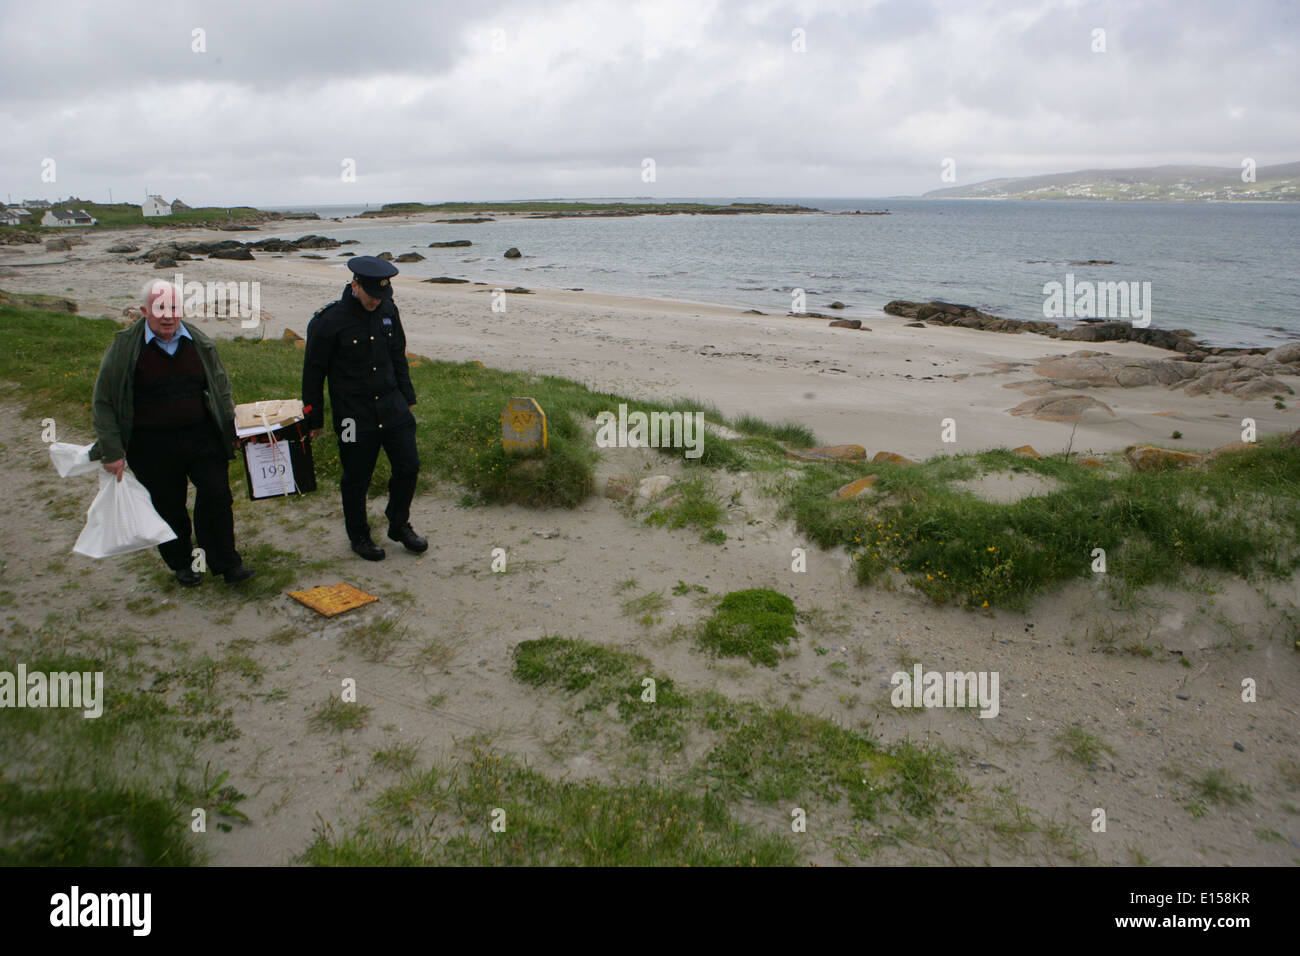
x: 358, y: 344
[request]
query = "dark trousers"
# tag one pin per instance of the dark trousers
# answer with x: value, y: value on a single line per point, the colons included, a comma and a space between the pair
x: 164, y: 461
x: 358, y: 459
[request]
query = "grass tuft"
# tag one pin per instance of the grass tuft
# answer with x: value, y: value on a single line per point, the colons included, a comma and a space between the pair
x: 752, y: 624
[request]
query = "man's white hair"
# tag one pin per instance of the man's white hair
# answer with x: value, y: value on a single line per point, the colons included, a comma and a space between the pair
x: 157, y: 286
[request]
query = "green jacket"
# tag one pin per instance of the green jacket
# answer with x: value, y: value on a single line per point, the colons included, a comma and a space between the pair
x: 114, y: 402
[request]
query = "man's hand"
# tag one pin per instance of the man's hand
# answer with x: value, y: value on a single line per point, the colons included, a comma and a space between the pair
x: 115, y: 467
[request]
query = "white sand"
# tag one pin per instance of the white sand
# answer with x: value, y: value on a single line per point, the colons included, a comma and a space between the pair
x: 890, y: 388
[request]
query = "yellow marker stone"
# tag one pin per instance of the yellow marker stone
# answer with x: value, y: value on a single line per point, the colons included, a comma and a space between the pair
x: 523, y: 426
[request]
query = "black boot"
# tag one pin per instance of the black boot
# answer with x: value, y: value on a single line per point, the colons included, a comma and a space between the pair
x: 238, y: 573
x: 410, y: 540
x: 368, y: 549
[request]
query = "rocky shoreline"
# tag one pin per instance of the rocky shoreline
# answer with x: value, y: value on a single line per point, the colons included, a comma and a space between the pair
x: 1199, y: 368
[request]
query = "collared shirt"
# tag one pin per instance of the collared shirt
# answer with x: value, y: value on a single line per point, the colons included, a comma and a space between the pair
x: 168, y: 347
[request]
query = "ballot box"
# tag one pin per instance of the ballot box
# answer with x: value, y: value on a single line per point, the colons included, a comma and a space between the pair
x: 278, y: 462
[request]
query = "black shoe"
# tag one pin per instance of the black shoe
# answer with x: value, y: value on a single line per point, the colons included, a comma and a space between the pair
x: 368, y: 549
x: 187, y: 578
x: 237, y: 574
x: 410, y: 540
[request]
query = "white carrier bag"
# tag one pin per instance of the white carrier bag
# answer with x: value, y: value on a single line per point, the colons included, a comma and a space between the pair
x: 122, y: 518
x: 72, y: 459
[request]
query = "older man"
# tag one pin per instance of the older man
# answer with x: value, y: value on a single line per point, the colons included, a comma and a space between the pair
x: 163, y: 405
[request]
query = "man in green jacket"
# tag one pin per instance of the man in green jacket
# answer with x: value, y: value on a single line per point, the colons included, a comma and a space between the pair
x: 163, y: 405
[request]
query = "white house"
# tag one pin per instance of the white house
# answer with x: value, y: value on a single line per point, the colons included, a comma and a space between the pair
x: 36, y: 204
x: 156, y: 206
x: 67, y: 217
x: 10, y: 218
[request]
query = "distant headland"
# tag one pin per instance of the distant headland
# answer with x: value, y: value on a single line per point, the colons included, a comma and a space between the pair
x: 1159, y: 183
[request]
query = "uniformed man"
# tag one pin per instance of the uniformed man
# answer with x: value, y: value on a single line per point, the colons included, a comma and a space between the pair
x: 358, y: 344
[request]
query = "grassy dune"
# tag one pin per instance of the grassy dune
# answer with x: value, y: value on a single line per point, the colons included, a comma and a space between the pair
x: 121, y: 789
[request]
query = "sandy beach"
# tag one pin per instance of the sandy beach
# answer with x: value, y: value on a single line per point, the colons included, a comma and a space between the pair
x: 886, y: 389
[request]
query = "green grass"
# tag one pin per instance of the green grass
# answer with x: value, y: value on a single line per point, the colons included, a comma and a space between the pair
x: 117, y: 215
x: 337, y: 716
x: 596, y: 677
x: 772, y: 755
x: 791, y: 433
x: 1239, y: 515
x: 1217, y: 786
x: 690, y: 502
x: 741, y: 755
x: 56, y: 356
x: 116, y: 790
x: 759, y: 753
x: 375, y: 639
x: 37, y: 300
x: 1076, y: 744
x: 396, y: 757
x: 201, y: 686
x: 444, y: 817
x: 645, y: 607
x: 92, y: 825
x: 751, y: 624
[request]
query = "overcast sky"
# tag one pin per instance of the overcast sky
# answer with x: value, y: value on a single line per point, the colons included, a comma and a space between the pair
x: 502, y: 99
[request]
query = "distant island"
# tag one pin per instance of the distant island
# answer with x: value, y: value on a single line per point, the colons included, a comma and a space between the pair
x: 554, y: 209
x: 1176, y: 183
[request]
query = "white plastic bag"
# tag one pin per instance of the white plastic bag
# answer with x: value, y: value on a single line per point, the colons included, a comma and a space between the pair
x: 72, y: 459
x: 121, y: 519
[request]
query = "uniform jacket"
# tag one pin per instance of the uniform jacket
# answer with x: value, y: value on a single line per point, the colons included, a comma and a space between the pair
x: 364, y: 356
x: 113, y: 406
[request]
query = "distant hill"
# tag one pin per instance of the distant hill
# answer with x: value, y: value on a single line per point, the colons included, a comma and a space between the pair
x: 1187, y: 183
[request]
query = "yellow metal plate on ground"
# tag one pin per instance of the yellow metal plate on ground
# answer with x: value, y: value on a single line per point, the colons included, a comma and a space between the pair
x: 331, y: 599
